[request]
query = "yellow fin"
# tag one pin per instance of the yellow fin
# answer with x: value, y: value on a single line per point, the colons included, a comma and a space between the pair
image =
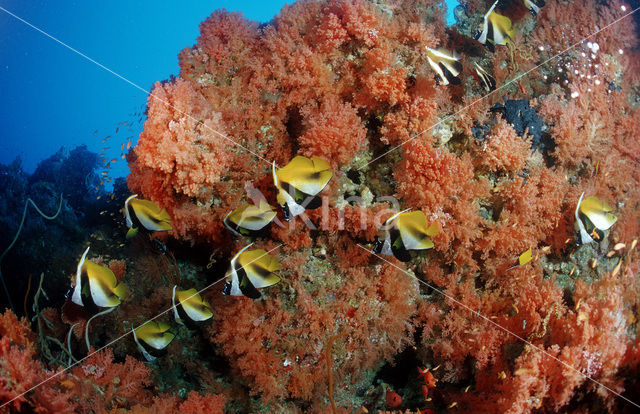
x: 152, y: 217
x: 103, y: 285
x: 414, y: 230
x: 503, y: 30
x: 307, y: 175
x: 525, y: 258
x: 252, y: 217
x: 259, y: 267
x: 598, y: 212
x: 155, y: 334
x: 194, y: 305
x: 132, y: 232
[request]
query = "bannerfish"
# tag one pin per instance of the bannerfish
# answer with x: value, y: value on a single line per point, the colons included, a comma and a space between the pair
x: 593, y: 219
x: 406, y: 231
x: 249, y: 271
x: 523, y: 259
x: 152, y: 339
x: 446, y: 64
x: 97, y: 285
x: 534, y: 6
x: 189, y: 306
x: 487, y: 81
x: 496, y: 29
x: 249, y: 220
x: 299, y: 182
x: 145, y: 214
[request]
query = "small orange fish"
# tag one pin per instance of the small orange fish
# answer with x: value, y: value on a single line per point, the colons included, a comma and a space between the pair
x: 129, y: 144
x: 67, y: 384
x: 522, y: 88
x: 393, y: 399
x: 114, y: 160
x: 122, y: 147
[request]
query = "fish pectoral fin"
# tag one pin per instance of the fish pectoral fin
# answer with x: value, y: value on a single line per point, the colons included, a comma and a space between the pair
x: 132, y: 232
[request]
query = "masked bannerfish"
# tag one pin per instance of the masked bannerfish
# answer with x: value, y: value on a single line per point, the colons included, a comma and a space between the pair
x: 523, y: 259
x: 534, y: 6
x: 189, y: 306
x: 496, y: 29
x: 487, y: 81
x: 250, y: 271
x: 445, y: 64
x: 299, y: 182
x: 145, y: 214
x: 152, y: 339
x: 96, y: 285
x: 593, y: 219
x: 248, y: 220
x: 406, y: 231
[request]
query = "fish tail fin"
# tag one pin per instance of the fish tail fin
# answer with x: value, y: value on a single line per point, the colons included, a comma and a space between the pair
x: 121, y: 291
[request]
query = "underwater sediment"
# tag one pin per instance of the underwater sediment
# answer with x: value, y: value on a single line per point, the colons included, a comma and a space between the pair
x: 499, y: 141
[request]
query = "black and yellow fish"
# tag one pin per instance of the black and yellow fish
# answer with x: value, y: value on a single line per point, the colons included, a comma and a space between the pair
x: 299, y: 182
x: 523, y: 259
x: 189, y: 306
x: 152, y: 339
x: 249, y: 271
x: 406, y: 231
x: 487, y: 81
x: 534, y: 6
x: 593, y: 219
x: 96, y: 285
x: 496, y: 29
x: 145, y: 214
x: 248, y: 220
x: 446, y: 64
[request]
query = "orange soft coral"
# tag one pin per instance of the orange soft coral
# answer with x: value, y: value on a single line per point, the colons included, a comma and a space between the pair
x: 334, y: 132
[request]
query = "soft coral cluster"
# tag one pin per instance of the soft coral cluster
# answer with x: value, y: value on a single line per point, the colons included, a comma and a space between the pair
x: 96, y: 384
x: 349, y: 80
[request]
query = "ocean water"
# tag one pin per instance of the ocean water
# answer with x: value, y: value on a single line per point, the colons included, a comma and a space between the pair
x: 342, y: 206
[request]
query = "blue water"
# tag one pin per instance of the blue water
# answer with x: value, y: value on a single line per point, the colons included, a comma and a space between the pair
x: 52, y: 97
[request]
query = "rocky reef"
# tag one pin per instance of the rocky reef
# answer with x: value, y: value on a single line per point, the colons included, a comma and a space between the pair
x: 500, y: 173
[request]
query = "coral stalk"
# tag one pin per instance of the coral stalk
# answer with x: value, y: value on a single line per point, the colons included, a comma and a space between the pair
x: 15, y: 238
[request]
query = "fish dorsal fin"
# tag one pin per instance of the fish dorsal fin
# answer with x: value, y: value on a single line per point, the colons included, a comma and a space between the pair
x: 390, y: 220
x: 194, y: 305
x: 150, y: 215
x: 260, y: 267
x: 77, y: 289
x: 583, y: 233
x: 127, y: 214
x: 309, y: 176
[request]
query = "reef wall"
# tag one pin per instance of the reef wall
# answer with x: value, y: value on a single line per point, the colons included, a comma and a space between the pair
x: 350, y: 81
